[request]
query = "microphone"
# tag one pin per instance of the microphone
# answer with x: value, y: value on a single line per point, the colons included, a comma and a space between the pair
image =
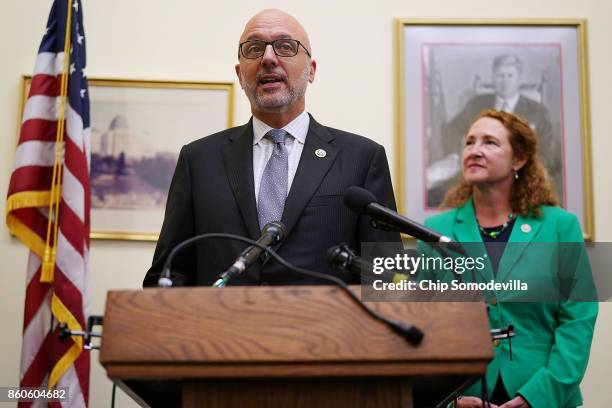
x: 362, y: 201
x: 343, y: 258
x: 275, y: 233
x: 272, y: 233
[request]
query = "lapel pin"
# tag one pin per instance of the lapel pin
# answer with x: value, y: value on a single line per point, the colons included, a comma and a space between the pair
x: 526, y: 228
x: 320, y: 153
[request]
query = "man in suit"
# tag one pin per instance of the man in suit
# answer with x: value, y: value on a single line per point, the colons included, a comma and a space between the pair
x: 282, y: 165
x: 507, y: 78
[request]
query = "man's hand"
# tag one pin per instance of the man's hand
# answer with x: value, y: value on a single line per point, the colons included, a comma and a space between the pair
x: 517, y: 402
x: 473, y: 402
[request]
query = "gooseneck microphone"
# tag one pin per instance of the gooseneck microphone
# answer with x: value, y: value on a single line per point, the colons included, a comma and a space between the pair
x: 272, y: 234
x: 342, y: 257
x: 362, y: 201
x: 275, y: 233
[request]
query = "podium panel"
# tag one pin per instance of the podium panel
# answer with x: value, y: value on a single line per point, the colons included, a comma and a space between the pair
x: 287, y: 346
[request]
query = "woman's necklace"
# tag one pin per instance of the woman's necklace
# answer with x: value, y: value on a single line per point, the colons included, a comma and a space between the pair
x: 493, y: 234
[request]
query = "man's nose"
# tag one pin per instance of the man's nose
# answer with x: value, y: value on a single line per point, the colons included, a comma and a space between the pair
x: 269, y: 56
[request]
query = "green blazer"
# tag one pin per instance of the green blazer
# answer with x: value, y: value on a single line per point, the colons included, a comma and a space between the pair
x: 551, y: 347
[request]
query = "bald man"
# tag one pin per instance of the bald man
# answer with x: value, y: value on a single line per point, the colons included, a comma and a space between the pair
x: 280, y: 166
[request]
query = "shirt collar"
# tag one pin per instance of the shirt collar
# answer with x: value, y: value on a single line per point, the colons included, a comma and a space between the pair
x: 499, y: 101
x: 297, y: 128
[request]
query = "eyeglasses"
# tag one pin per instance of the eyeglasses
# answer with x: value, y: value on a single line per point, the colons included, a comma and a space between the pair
x: 283, y: 47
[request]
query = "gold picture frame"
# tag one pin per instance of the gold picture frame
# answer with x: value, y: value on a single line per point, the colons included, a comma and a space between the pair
x: 444, y: 66
x: 137, y: 130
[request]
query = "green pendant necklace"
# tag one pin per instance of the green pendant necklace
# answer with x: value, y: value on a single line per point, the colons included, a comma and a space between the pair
x: 496, y: 233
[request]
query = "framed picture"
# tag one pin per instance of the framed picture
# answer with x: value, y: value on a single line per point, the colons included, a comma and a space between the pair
x: 137, y: 130
x: 450, y: 70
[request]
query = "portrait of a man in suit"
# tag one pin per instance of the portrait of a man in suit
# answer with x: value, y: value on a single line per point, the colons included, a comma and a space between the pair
x: 282, y: 165
x: 507, y: 91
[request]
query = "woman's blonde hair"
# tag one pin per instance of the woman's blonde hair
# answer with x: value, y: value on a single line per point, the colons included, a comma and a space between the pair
x: 533, y: 188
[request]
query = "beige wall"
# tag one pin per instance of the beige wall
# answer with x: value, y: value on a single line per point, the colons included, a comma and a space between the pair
x: 354, y: 90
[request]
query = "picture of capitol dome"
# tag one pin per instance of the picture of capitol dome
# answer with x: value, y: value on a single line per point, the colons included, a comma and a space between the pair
x: 137, y: 129
x: 126, y: 170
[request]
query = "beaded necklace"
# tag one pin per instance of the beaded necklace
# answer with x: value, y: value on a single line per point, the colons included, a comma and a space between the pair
x: 496, y: 232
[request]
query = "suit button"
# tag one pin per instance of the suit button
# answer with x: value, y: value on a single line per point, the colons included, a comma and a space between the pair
x: 494, y: 301
x: 496, y: 343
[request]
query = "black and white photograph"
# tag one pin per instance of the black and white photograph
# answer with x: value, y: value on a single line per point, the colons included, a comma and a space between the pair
x: 451, y: 71
x: 464, y: 80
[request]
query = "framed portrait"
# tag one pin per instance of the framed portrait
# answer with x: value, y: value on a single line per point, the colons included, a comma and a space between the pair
x: 137, y: 130
x: 450, y: 70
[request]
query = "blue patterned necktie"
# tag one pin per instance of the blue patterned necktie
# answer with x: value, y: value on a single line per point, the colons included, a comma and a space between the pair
x: 273, y: 186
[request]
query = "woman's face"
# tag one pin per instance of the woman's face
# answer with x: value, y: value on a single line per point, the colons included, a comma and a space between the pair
x: 488, y: 158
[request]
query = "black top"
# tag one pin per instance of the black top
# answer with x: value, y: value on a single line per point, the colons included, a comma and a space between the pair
x: 495, y: 250
x: 495, y: 247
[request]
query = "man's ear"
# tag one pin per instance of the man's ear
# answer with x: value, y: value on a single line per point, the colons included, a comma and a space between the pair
x: 313, y: 70
x: 237, y: 68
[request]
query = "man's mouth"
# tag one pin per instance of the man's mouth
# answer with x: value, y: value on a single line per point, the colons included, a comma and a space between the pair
x: 270, y: 79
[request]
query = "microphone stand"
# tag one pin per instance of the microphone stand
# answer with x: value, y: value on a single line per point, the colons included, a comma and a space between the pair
x: 222, y: 281
x: 165, y: 278
x: 88, y: 334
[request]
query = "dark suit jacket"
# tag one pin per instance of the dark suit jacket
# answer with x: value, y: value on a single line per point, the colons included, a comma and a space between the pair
x: 212, y: 191
x: 533, y: 112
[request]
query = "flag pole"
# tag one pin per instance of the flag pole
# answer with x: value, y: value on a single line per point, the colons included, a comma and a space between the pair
x: 50, y: 253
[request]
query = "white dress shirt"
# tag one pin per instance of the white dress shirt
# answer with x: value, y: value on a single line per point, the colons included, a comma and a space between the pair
x: 506, y: 105
x: 263, y: 147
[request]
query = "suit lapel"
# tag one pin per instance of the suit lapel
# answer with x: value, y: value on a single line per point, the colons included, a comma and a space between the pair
x: 238, y: 161
x: 525, y: 229
x: 310, y: 172
x: 521, y: 108
x: 466, y: 231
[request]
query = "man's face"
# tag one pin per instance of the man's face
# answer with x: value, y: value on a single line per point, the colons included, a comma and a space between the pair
x: 506, y: 79
x: 275, y: 84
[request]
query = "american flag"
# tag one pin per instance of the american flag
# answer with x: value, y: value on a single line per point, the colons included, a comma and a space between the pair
x: 52, y: 161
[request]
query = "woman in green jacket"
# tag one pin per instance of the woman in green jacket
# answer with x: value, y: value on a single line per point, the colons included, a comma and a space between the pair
x: 505, y: 197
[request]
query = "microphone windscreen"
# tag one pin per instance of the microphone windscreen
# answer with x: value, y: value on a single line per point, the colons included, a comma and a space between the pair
x: 277, y: 228
x: 357, y: 199
x: 335, y: 256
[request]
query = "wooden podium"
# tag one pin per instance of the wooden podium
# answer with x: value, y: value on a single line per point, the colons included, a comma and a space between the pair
x: 286, y: 346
